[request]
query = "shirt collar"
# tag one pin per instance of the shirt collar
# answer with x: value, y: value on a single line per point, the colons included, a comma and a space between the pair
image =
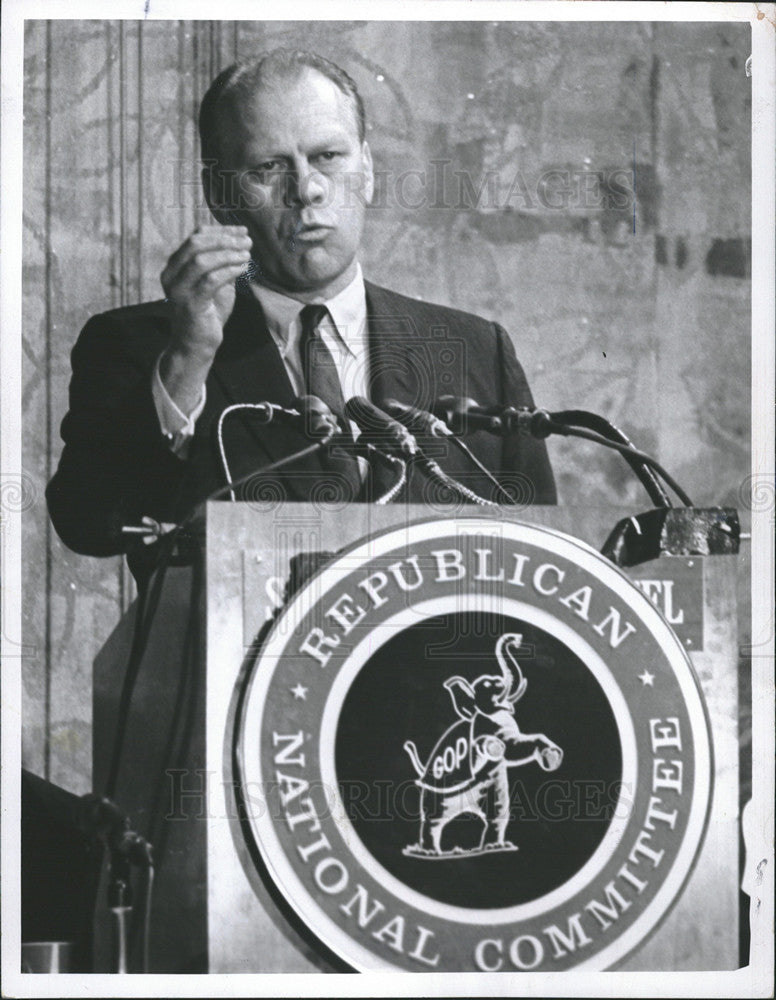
x: 347, y: 310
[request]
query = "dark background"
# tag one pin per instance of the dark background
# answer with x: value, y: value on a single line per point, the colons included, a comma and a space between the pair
x: 399, y: 695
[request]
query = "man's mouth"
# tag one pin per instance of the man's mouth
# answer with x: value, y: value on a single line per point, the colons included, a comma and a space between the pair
x: 313, y: 233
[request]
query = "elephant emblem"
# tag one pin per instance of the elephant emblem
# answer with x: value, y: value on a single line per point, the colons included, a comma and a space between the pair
x: 466, y: 772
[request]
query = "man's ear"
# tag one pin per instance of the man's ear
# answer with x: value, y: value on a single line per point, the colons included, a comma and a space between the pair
x: 215, y: 195
x: 369, y: 175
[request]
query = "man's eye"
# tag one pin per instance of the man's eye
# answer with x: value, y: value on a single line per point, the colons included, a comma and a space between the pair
x: 328, y: 155
x: 269, y: 168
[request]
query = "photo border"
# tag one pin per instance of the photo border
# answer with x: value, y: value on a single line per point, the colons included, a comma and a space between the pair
x: 755, y: 980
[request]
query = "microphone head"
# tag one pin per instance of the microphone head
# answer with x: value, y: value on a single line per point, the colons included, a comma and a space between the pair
x: 464, y: 416
x: 378, y: 427
x: 364, y: 413
x: 418, y: 421
x: 395, y: 408
x: 446, y: 406
x: 318, y: 421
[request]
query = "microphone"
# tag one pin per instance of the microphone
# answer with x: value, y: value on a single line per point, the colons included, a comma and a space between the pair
x: 380, y: 429
x: 466, y: 415
x: 100, y: 817
x: 418, y: 421
x: 313, y: 415
x: 393, y: 436
x: 318, y: 421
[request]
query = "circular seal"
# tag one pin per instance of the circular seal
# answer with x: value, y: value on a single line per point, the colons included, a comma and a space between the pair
x: 474, y: 745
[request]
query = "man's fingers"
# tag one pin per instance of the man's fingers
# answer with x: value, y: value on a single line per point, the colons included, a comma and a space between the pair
x: 220, y: 238
x: 210, y: 283
x: 209, y: 260
x: 208, y: 233
x: 207, y: 239
x: 190, y: 272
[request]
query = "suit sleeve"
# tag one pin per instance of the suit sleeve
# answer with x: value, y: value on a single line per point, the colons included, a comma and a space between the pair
x: 116, y: 464
x: 525, y: 463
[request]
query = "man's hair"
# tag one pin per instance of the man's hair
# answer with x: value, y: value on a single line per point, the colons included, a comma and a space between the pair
x: 241, y: 81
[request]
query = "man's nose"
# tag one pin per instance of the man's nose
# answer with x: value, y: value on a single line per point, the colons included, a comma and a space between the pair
x: 305, y: 186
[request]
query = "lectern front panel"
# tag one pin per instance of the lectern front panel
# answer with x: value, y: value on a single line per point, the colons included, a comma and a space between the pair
x: 368, y: 810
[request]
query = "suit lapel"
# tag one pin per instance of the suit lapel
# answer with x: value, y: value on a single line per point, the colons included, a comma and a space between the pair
x: 249, y: 369
x: 396, y: 365
x: 415, y: 357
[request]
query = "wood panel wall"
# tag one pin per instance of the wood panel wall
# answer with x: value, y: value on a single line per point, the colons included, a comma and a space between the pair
x: 641, y: 313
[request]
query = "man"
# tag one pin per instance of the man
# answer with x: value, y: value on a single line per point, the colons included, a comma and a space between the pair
x: 288, y: 176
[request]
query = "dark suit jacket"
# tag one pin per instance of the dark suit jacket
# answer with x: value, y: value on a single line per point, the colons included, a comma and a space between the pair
x: 116, y: 465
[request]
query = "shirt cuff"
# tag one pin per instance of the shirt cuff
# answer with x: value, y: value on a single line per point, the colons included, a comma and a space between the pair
x: 176, y: 427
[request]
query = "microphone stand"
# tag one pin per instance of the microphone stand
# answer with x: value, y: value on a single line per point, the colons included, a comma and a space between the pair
x: 131, y: 849
x: 234, y: 484
x: 636, y: 459
x: 687, y: 530
x: 120, y: 905
x: 101, y: 819
x: 465, y: 415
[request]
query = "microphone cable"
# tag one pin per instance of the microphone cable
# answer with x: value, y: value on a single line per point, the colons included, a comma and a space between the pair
x: 554, y: 423
x: 436, y: 473
x: 147, y: 906
x: 232, y: 485
x: 145, y: 612
x: 598, y: 424
x: 466, y: 450
x: 184, y: 710
x: 149, y: 596
x: 148, y: 603
x: 269, y: 411
x: 398, y: 465
x: 627, y: 451
x: 180, y: 730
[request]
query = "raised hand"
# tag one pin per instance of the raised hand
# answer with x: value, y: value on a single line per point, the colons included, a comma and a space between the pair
x: 199, y: 281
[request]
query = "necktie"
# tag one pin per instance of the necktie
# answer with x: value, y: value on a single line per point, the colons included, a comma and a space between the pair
x: 322, y: 380
x: 320, y: 373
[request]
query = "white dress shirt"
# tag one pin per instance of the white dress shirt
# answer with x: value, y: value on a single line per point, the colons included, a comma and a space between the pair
x: 344, y: 331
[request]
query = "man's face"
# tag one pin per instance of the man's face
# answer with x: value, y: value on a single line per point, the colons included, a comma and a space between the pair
x: 301, y: 184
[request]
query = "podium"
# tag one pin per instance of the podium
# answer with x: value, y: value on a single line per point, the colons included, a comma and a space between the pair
x: 224, y: 903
